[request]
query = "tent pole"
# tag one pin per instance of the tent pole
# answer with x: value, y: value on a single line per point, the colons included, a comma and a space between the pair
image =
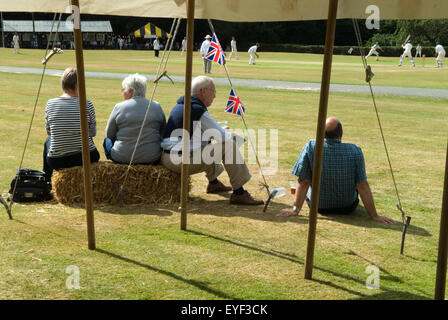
x: 323, y: 106
x: 443, y: 240
x: 84, y: 126
x: 3, y: 29
x: 187, y: 117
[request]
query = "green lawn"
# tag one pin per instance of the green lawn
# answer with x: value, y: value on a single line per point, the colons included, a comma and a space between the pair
x: 230, y: 252
x: 274, y: 66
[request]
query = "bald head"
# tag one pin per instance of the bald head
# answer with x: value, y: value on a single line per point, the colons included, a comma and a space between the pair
x: 333, y: 128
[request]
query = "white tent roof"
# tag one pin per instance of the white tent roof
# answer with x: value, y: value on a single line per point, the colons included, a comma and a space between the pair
x: 45, y: 26
x: 242, y: 10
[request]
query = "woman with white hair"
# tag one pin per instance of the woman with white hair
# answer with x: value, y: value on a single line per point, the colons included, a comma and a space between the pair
x: 63, y: 147
x: 125, y: 122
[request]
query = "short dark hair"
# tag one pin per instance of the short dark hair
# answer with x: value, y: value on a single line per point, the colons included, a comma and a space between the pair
x: 336, y: 133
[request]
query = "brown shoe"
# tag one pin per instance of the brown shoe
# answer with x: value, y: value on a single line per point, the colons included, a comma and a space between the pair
x: 245, y: 199
x: 217, y: 188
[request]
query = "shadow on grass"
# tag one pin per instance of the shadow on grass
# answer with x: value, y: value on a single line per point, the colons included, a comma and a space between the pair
x: 200, y: 285
x: 394, y: 295
x: 223, y: 208
x: 293, y: 258
x: 138, y: 209
x: 360, y: 218
x: 384, y: 294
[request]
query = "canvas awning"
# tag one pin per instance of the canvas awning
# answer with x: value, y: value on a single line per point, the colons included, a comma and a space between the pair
x: 45, y: 26
x: 242, y: 10
x: 151, y: 31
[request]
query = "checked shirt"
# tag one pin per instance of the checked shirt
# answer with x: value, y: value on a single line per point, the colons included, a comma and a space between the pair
x: 342, y: 167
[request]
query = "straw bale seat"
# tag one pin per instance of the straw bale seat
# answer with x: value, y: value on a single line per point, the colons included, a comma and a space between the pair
x: 145, y: 184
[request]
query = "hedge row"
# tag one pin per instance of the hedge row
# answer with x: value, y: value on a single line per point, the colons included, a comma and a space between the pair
x: 342, y: 50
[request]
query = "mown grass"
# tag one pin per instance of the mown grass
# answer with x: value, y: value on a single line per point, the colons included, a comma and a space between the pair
x: 274, y: 66
x: 230, y: 252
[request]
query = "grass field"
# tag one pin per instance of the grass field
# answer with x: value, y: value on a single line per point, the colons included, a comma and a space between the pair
x: 273, y: 66
x: 232, y: 252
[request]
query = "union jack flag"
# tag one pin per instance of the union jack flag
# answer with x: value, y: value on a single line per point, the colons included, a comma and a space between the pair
x: 215, y: 52
x: 234, y: 104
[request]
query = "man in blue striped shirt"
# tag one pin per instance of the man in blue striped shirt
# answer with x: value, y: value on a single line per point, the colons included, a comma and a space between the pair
x: 343, y: 177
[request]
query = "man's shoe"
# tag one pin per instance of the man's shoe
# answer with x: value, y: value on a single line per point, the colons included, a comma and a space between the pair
x: 245, y: 199
x: 217, y: 188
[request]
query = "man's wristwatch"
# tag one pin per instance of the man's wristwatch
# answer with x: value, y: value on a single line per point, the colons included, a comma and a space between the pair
x: 295, y: 209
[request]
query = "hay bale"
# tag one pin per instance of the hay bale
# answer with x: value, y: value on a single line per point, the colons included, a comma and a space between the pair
x: 145, y: 184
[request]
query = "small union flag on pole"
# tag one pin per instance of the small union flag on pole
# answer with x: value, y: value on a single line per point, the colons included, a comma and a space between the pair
x: 234, y: 104
x: 215, y: 52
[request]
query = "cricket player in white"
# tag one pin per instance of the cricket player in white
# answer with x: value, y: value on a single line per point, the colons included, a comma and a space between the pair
x: 440, y: 52
x: 204, y: 50
x: 15, y: 40
x: 418, y: 51
x: 253, y: 51
x: 184, y: 46
x: 373, y: 51
x: 233, y: 49
x: 407, y: 53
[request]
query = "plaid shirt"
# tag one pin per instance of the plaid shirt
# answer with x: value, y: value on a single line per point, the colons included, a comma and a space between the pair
x: 342, y: 167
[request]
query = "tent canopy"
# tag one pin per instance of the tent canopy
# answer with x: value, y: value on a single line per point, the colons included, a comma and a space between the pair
x: 150, y: 31
x: 242, y: 10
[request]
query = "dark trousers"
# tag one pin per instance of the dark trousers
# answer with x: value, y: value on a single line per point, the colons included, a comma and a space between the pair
x: 344, y: 210
x: 72, y: 160
x: 156, y: 53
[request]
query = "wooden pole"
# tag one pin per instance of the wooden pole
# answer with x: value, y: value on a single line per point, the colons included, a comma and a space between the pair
x: 3, y: 29
x: 187, y: 116
x: 320, y: 134
x: 84, y: 126
x: 443, y: 241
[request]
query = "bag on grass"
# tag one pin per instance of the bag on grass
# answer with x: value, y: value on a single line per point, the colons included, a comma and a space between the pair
x: 31, y: 186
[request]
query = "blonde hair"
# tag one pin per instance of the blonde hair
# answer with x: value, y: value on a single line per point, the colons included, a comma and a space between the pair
x: 69, y: 79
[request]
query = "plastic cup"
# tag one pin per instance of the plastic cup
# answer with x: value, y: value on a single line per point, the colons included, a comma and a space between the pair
x: 293, y: 185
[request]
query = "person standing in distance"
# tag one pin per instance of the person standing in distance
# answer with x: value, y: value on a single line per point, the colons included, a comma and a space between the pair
x: 440, y: 52
x: 418, y: 51
x: 253, y: 51
x: 233, y: 49
x: 15, y: 40
x: 407, y: 53
x: 156, y: 45
x: 203, y: 51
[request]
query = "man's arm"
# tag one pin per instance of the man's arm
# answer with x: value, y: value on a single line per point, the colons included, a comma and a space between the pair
x: 208, y: 123
x: 369, y: 204
x: 302, y: 189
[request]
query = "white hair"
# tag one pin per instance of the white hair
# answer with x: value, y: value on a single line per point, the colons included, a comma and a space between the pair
x: 200, y: 82
x: 137, y: 83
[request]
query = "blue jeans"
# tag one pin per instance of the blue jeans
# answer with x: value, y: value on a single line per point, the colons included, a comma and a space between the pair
x: 345, y: 210
x: 107, y: 145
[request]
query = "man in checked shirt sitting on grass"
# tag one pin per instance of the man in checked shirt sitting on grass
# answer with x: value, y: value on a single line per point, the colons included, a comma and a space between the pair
x: 343, y: 177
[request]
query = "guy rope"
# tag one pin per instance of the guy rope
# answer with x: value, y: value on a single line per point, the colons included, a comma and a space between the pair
x: 45, y: 60
x: 161, y: 72
x: 271, y: 193
x: 369, y: 75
